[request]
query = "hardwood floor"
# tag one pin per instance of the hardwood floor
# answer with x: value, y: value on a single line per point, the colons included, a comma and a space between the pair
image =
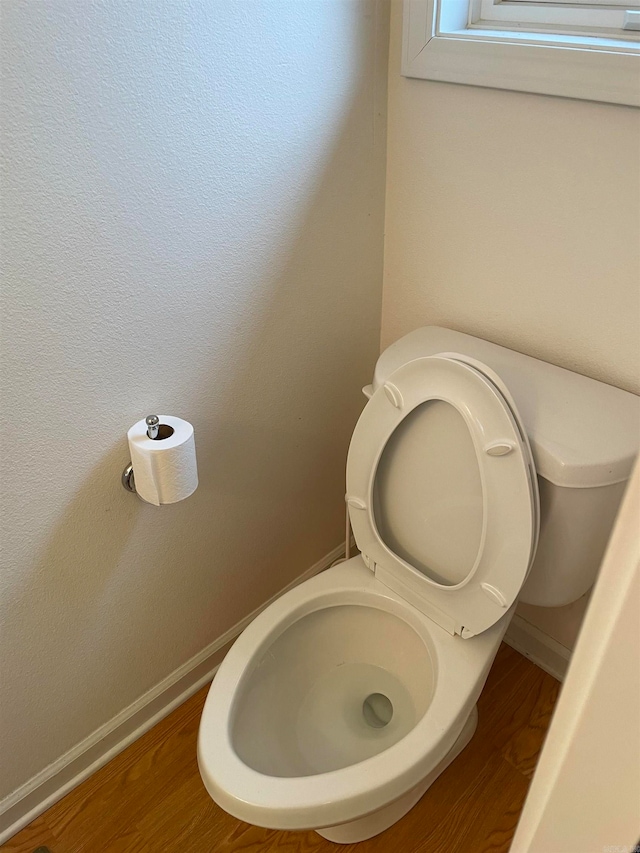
x: 150, y: 799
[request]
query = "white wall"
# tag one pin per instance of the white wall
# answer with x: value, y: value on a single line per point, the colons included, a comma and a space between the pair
x: 585, y: 793
x: 194, y: 206
x: 516, y: 218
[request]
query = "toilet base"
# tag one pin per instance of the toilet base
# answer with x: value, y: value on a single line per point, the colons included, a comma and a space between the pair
x: 374, y: 824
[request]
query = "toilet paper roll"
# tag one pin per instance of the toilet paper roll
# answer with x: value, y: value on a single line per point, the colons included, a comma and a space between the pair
x: 164, y: 468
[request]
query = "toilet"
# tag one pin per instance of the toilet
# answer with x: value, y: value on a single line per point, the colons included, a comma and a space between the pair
x: 476, y: 477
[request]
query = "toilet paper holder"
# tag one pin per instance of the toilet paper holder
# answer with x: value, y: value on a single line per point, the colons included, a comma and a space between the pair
x: 128, y: 479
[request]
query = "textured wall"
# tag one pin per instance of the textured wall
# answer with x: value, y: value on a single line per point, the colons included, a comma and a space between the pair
x: 194, y: 202
x: 515, y: 218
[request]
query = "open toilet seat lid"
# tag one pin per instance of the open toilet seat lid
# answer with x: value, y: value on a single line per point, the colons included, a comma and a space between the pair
x: 509, y: 494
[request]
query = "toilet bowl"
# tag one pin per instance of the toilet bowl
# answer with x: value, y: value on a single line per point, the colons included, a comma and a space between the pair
x: 345, y: 699
x: 288, y: 738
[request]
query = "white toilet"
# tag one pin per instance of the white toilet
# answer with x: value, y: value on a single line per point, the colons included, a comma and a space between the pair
x: 343, y: 701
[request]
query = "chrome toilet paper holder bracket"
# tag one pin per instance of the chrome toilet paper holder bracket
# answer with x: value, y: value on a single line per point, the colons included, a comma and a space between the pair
x: 128, y: 479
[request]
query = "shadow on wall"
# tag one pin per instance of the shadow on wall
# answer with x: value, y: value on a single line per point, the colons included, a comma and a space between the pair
x: 266, y: 356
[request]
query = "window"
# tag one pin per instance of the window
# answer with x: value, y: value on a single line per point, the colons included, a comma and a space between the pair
x: 588, y: 50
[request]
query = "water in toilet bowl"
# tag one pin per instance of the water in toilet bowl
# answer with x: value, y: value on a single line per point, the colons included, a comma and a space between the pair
x: 342, y: 719
x: 338, y: 686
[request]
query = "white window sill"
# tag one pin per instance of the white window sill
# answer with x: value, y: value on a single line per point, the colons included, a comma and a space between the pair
x: 570, y: 66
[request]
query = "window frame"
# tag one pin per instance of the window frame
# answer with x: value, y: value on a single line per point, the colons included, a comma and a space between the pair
x: 439, y: 44
x: 556, y: 17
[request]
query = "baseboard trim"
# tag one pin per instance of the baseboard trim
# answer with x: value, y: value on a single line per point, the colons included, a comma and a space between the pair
x: 51, y: 784
x: 538, y: 647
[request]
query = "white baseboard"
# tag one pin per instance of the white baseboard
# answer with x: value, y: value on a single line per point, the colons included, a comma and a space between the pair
x: 538, y: 647
x: 72, y: 768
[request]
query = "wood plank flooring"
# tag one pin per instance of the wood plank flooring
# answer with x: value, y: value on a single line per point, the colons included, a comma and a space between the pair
x: 150, y: 799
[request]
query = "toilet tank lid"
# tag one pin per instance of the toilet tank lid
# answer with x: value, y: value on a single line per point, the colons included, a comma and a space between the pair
x: 583, y: 433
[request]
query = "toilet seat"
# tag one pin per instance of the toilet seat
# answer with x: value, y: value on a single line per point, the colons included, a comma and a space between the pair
x: 508, y: 491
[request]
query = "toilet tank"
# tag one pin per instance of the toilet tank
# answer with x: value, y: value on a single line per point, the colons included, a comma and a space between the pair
x: 584, y: 437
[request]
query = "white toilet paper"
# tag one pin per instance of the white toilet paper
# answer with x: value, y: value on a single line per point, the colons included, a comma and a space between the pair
x: 164, y: 468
